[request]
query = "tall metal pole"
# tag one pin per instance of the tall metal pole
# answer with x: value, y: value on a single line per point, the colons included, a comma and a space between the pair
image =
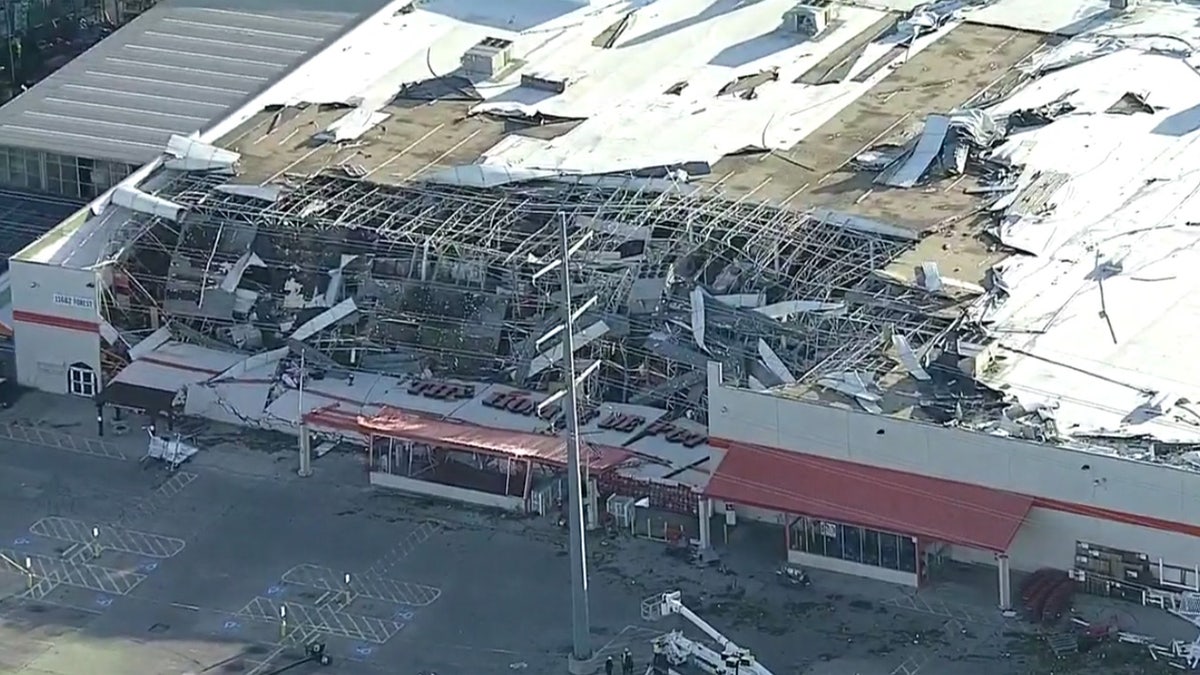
x: 305, y: 469
x: 581, y: 649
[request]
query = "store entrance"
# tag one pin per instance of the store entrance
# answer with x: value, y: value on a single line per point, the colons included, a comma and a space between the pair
x: 852, y: 549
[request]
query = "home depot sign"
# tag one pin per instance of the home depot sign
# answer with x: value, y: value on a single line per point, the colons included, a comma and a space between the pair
x: 522, y: 403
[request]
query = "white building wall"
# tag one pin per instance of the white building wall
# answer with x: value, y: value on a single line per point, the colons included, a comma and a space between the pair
x: 1082, y: 496
x: 56, y: 319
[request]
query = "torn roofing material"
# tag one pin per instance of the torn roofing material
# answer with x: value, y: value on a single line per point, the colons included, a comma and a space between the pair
x: 1088, y: 326
x: 742, y: 65
x: 536, y: 447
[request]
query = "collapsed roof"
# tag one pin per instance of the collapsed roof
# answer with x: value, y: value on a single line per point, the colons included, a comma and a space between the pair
x: 427, y: 277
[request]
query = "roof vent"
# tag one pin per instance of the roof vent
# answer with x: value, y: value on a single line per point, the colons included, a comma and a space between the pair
x: 488, y: 58
x: 811, y: 17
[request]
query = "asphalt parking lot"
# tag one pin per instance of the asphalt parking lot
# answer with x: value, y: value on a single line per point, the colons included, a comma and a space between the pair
x: 189, y: 572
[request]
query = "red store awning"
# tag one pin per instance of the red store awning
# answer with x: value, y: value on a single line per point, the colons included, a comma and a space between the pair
x: 473, y: 438
x: 882, y: 499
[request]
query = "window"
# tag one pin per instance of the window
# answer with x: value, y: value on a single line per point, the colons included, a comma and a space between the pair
x: 854, y: 544
x: 871, y: 548
x: 16, y: 168
x: 852, y: 539
x: 889, y: 550
x: 81, y: 380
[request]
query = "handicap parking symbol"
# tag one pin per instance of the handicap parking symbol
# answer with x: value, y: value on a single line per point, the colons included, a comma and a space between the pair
x: 21, y: 541
x: 103, y: 600
x: 363, y: 651
x: 231, y: 625
x: 275, y: 590
x: 148, y: 566
x: 402, y: 614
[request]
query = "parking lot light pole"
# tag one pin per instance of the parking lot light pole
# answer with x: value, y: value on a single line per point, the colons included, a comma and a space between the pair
x: 581, y: 649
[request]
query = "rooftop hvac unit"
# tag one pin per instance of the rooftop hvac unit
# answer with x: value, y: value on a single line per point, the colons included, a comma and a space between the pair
x: 811, y: 17
x: 544, y: 82
x: 1121, y: 5
x: 488, y: 58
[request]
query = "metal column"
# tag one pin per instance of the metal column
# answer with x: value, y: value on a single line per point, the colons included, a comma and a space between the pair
x: 305, y: 452
x: 1005, y: 582
x: 705, y: 516
x: 305, y: 469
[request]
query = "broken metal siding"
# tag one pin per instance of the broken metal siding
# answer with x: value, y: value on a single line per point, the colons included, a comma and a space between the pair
x: 173, y: 70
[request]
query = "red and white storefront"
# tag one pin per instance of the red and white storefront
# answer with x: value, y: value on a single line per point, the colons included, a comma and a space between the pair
x: 843, y: 482
x: 470, y: 463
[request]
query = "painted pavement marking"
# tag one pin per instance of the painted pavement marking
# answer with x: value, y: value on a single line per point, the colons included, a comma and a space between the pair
x: 629, y: 635
x: 61, y: 441
x: 161, y: 495
x: 957, y: 618
x: 328, y: 615
x: 911, y: 665
x: 365, y: 585
x: 91, y: 577
x: 265, y: 663
x: 300, y: 637
x: 323, y: 620
x: 111, y: 538
x: 404, y: 548
x: 936, y: 607
x: 40, y: 589
x: 175, y: 484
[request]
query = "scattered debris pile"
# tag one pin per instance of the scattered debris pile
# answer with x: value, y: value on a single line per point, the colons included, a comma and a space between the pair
x: 946, y: 146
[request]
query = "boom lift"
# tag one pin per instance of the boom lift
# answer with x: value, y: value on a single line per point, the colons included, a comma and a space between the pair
x: 679, y: 650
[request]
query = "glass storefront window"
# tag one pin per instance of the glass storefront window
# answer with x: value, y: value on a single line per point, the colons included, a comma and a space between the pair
x: 854, y: 544
x: 889, y: 550
x: 852, y: 539
x: 59, y: 174
x: 871, y: 548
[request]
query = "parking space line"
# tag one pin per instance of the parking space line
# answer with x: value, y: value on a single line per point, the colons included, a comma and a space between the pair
x: 144, y: 544
x: 404, y: 548
x: 175, y: 484
x: 43, y: 587
x: 366, y: 585
x: 161, y: 495
x: 91, y: 577
x: 53, y: 439
x: 266, y: 661
x: 629, y: 635
x: 323, y: 619
x: 941, y: 608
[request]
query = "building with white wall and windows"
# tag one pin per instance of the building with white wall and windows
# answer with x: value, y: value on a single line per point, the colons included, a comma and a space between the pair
x: 902, y: 305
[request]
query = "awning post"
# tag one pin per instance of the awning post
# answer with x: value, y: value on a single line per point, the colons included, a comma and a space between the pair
x: 1005, y: 582
x: 705, y: 515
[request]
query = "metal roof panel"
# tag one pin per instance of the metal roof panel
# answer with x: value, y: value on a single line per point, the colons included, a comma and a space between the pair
x: 178, y: 68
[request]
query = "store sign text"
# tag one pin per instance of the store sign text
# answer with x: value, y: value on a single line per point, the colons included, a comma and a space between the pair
x: 74, y: 301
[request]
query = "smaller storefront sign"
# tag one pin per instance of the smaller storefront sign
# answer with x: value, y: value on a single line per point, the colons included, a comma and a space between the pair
x: 78, y: 302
